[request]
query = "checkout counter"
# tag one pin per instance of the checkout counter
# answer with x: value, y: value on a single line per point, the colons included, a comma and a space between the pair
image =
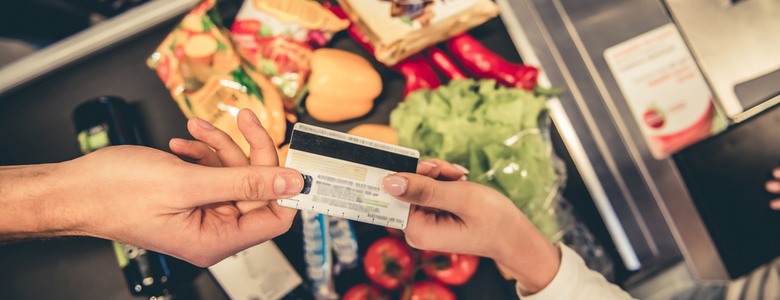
x: 702, y: 213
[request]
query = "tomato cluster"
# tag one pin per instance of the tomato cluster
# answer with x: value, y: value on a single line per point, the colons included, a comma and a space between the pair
x: 391, y: 264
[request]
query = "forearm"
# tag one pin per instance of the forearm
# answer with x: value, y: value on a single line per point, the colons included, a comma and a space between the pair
x: 545, y: 271
x: 31, y: 202
x: 528, y: 256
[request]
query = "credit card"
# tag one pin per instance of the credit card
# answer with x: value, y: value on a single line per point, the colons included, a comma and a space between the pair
x: 343, y: 175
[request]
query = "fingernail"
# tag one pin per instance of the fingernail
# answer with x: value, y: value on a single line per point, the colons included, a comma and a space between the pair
x: 463, y: 178
x: 773, y: 186
x: 255, y: 119
x: 428, y: 164
x: 466, y: 171
x: 181, y: 142
x: 203, y: 124
x: 288, y: 184
x: 775, y: 204
x: 394, y: 185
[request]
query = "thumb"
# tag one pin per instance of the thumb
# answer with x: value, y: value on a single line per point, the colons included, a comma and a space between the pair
x: 248, y: 183
x: 451, y: 196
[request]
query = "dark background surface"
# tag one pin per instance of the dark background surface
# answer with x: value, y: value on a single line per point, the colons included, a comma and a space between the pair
x: 36, y: 127
x: 726, y: 176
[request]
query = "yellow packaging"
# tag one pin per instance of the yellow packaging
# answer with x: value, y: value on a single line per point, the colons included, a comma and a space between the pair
x: 199, y: 65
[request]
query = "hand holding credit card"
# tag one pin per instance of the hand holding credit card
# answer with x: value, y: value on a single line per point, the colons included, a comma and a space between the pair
x: 343, y: 175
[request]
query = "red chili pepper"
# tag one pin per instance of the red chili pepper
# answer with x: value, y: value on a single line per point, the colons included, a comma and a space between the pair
x: 483, y: 63
x: 419, y: 74
x: 444, y: 63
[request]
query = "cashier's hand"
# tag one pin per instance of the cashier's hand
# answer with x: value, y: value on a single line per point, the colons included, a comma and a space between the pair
x: 773, y: 186
x: 201, y: 214
x: 464, y: 217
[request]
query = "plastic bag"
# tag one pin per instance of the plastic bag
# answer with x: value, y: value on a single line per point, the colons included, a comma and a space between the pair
x: 198, y: 64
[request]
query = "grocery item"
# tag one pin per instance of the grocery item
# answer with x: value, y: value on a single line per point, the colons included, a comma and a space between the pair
x: 259, y: 272
x: 449, y: 268
x: 389, y: 263
x: 277, y: 37
x: 419, y: 74
x: 317, y: 255
x: 198, y: 64
x: 428, y: 290
x: 344, y: 244
x: 668, y: 96
x: 483, y: 63
x: 382, y: 133
x: 363, y: 292
x: 399, y: 28
x: 342, y: 86
x: 495, y: 132
x: 444, y: 64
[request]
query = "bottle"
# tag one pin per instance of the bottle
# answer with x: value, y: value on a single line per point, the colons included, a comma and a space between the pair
x: 107, y: 121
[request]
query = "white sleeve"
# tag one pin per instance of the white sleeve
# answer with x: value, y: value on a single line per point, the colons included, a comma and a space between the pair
x: 576, y: 282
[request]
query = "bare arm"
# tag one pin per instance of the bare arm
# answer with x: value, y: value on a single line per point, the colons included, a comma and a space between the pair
x: 31, y: 198
x: 148, y: 198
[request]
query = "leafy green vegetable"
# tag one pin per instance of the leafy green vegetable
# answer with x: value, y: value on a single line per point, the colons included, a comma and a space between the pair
x: 494, y: 132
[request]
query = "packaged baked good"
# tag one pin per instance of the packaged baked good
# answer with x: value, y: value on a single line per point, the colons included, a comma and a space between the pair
x: 200, y: 66
x: 278, y: 36
x: 400, y: 28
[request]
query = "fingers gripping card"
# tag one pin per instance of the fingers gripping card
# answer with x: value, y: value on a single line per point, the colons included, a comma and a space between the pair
x: 343, y: 175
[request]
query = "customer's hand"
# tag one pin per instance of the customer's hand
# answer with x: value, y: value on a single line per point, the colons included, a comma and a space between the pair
x: 773, y: 186
x: 215, y: 148
x: 465, y: 217
x: 154, y: 200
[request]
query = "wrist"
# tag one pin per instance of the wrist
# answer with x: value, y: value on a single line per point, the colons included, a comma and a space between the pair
x: 33, y: 199
x: 528, y: 256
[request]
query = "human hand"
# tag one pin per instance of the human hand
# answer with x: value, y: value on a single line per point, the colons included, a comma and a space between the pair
x: 469, y: 218
x: 227, y: 153
x: 773, y: 186
x: 200, y: 214
x: 440, y: 169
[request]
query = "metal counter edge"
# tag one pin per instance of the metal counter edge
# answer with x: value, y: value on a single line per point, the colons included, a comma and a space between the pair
x: 91, y: 40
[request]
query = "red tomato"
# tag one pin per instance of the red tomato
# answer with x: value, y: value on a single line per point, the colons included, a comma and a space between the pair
x: 389, y: 263
x: 429, y: 290
x: 449, y: 268
x: 363, y: 292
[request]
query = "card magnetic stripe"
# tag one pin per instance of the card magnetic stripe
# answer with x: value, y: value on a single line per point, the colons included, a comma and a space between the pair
x: 343, y: 150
